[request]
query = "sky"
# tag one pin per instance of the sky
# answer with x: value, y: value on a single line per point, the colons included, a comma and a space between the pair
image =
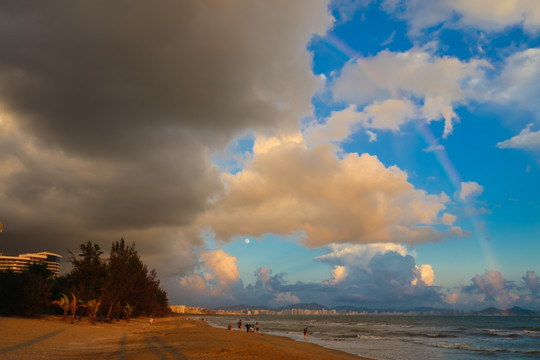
x: 381, y: 154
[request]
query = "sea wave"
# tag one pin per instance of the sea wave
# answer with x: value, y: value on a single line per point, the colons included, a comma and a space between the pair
x: 415, y: 334
x: 484, y: 349
x: 412, y: 338
x: 500, y: 332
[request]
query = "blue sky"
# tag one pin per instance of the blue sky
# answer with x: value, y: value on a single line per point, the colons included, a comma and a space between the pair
x: 500, y: 216
x: 349, y: 152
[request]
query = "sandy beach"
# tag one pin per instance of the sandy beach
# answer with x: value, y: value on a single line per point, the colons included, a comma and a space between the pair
x: 168, y: 338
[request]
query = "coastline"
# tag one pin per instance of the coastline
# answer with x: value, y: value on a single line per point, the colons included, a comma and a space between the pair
x: 168, y: 338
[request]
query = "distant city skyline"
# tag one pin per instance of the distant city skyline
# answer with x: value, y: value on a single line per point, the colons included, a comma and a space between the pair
x: 375, y: 153
x: 315, y: 309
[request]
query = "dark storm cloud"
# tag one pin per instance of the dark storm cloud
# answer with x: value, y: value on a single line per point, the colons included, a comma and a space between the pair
x: 109, y: 113
x: 84, y: 73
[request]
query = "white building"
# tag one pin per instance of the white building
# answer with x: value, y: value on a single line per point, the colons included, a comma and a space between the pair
x: 20, y: 263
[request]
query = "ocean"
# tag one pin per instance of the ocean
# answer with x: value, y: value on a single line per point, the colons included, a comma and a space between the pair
x: 407, y: 337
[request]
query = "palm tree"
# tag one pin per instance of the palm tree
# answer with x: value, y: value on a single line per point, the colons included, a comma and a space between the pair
x: 128, y: 310
x: 92, y: 307
x: 73, y: 305
x: 63, y: 302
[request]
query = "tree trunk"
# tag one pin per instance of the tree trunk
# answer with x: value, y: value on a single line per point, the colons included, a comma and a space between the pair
x: 110, y: 311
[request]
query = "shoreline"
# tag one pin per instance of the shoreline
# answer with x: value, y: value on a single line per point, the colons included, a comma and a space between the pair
x: 295, y: 336
x: 168, y: 338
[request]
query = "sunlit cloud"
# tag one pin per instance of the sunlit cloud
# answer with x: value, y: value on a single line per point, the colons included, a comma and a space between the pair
x: 358, y: 255
x: 221, y: 265
x: 285, y: 298
x: 451, y: 298
x: 290, y: 189
x: 214, y: 276
x: 424, y: 274
x: 338, y: 274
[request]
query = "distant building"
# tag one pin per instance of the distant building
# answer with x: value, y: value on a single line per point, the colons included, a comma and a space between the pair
x: 179, y: 309
x: 21, y: 262
x: 183, y: 309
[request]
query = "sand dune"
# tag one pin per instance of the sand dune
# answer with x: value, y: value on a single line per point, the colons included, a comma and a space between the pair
x: 168, y: 338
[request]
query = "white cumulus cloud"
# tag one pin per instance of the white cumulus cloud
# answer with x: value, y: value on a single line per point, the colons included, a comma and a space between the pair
x: 396, y: 87
x: 338, y: 274
x: 358, y: 255
x: 425, y: 275
x: 221, y: 264
x: 488, y: 15
x: 526, y: 140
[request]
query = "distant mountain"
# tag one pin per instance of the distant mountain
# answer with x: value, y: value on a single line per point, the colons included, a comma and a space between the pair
x: 515, y: 311
x: 489, y: 311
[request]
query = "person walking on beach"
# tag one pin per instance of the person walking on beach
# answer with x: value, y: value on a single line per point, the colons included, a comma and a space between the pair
x: 306, y: 334
x: 257, y: 327
x: 240, y: 325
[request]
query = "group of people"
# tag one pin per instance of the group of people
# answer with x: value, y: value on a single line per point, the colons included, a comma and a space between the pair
x: 249, y: 327
x: 255, y: 328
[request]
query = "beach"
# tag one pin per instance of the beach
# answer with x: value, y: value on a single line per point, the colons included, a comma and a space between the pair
x: 168, y: 338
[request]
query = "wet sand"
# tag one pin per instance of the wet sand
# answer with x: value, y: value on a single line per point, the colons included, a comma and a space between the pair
x: 167, y: 338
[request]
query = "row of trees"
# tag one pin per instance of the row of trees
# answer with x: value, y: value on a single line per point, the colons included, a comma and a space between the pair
x: 119, y: 286
x: 27, y: 293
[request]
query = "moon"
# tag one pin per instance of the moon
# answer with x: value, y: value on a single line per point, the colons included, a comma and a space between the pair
x: 246, y: 240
